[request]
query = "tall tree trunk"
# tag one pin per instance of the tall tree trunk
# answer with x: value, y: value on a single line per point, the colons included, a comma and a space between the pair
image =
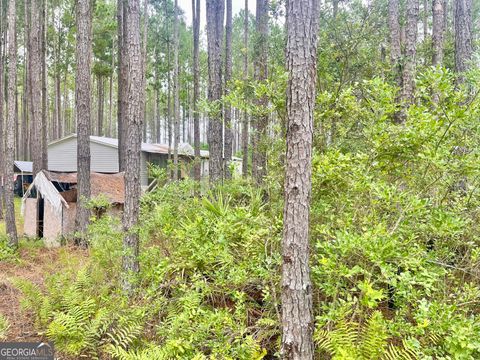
x: 110, y: 96
x: 144, y: 67
x: 395, y: 39
x: 25, y: 111
x: 133, y: 122
x: 215, y: 15
x: 101, y: 104
x: 43, y: 33
x: 411, y: 30
x: 297, y: 313
x: 259, y: 154
x: 169, y: 104
x: 121, y: 84
x: 228, y: 76
x: 176, y: 94
x: 196, y: 87
x: 245, y: 124
x: 437, y: 32
x: 463, y: 37
x: 425, y: 19
x: 10, y: 127
x: 445, y: 16
x: 83, y: 112
x: 2, y: 87
x: 35, y: 66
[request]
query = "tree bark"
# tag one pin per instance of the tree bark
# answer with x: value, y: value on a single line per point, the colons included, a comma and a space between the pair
x: 297, y: 313
x: 425, y: 19
x: 144, y: 67
x: 10, y: 127
x: 121, y: 84
x: 132, y: 144
x: 245, y: 124
x: 83, y: 113
x: 408, y: 78
x: 35, y: 66
x: 259, y: 154
x: 2, y: 134
x: 437, y: 32
x: 215, y: 16
x: 101, y: 104
x: 176, y: 94
x: 395, y: 36
x: 110, y: 95
x: 196, y: 87
x: 463, y: 37
x: 43, y: 33
x: 228, y: 76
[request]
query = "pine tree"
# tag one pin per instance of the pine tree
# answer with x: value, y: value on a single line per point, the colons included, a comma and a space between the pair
x: 196, y: 87
x: 10, y: 126
x: 132, y: 143
x: 215, y: 16
x: 297, y: 312
x: 83, y: 111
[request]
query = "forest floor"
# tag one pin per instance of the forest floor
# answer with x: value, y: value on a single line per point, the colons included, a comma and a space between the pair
x: 33, y: 263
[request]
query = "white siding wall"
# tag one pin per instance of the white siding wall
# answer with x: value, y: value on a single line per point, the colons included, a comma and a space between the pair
x: 62, y: 156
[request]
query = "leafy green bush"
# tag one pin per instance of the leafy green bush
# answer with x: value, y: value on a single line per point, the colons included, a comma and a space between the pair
x: 7, y: 253
x: 394, y: 247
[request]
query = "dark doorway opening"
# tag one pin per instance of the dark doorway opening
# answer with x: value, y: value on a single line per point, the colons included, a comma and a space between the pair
x: 40, y: 216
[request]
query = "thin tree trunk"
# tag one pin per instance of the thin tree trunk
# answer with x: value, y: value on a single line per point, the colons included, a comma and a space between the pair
x: 196, y: 87
x: 121, y: 84
x: 133, y: 120
x: 215, y: 16
x: 10, y: 127
x: 2, y: 134
x: 437, y: 32
x: 228, y: 77
x: 297, y: 312
x: 463, y: 37
x: 245, y: 124
x: 144, y: 67
x: 110, y: 96
x: 259, y: 154
x: 169, y: 105
x: 176, y: 94
x: 101, y: 104
x: 25, y: 112
x: 395, y: 39
x: 35, y: 62
x: 43, y: 29
x: 408, y: 79
x: 83, y: 113
x: 425, y: 19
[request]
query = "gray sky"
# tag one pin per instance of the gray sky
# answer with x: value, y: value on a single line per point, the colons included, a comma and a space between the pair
x: 237, y: 5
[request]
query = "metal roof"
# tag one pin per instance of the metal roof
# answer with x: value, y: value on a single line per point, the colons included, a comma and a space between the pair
x: 184, y: 149
x: 23, y: 166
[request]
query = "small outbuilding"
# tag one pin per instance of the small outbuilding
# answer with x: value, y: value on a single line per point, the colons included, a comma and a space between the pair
x: 23, y: 176
x: 49, y: 204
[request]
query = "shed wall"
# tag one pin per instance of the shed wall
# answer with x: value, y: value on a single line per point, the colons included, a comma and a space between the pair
x: 52, y: 226
x: 68, y: 226
x: 30, y: 218
x: 62, y: 156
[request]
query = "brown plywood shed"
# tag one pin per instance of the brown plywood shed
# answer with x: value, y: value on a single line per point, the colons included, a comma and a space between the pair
x: 49, y: 204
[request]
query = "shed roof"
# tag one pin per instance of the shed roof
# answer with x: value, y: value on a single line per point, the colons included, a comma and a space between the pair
x: 23, y: 166
x: 112, y: 186
x: 185, y: 149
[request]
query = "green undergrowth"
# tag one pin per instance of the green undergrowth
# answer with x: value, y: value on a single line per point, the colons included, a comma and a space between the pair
x: 394, y: 248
